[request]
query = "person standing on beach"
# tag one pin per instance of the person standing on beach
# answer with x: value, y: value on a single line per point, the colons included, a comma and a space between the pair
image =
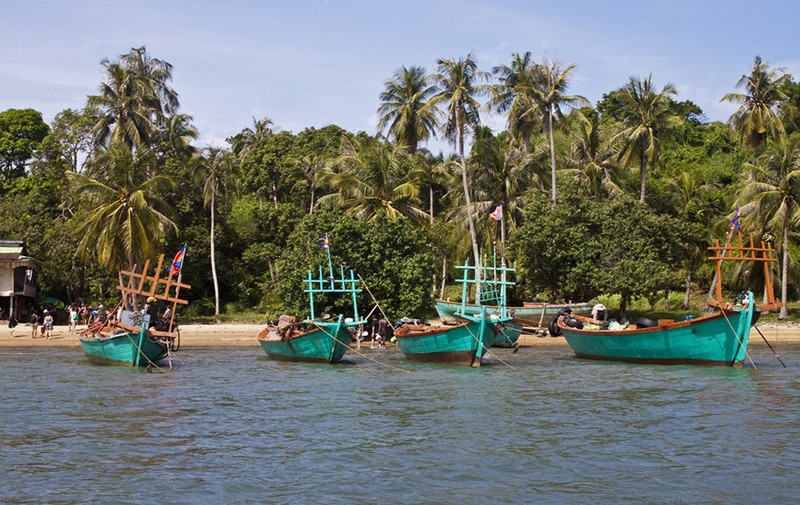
x: 34, y: 323
x: 73, y: 318
x: 48, y: 324
x: 12, y: 323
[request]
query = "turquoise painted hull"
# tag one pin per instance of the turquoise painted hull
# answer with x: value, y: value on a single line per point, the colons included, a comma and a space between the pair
x: 710, y: 340
x: 529, y: 314
x: 465, y: 343
x: 326, y: 344
x: 127, y: 349
x: 508, y: 334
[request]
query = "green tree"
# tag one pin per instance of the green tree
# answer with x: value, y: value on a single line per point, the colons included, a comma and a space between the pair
x: 646, y: 114
x: 392, y: 257
x: 613, y: 248
x: 123, y: 219
x: 134, y: 100
x: 21, y: 133
x: 458, y: 81
x: 502, y: 175
x: 430, y: 173
x: 592, y: 153
x: 249, y: 137
x: 177, y: 136
x: 370, y: 179
x: 770, y: 201
x: 71, y: 137
x: 407, y: 109
x: 218, y: 173
x: 549, y: 88
x: 757, y: 117
x: 514, y: 94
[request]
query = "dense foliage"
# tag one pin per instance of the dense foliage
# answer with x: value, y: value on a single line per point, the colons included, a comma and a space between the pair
x: 617, y: 199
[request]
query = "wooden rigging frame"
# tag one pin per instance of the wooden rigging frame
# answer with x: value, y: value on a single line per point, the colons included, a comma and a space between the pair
x: 762, y: 253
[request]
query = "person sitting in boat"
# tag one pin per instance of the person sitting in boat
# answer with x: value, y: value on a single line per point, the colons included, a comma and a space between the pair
x: 599, y: 312
x: 151, y: 310
x: 285, y: 323
x: 163, y: 324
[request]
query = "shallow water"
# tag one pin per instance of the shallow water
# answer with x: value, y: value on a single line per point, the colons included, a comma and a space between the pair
x: 229, y: 425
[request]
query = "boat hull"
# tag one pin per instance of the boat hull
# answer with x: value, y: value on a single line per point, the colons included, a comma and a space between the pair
x: 465, y: 343
x: 123, y: 349
x: 326, y: 344
x: 531, y: 314
x: 507, y: 334
x: 717, y: 339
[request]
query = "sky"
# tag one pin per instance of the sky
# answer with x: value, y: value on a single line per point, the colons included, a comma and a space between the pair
x: 311, y: 63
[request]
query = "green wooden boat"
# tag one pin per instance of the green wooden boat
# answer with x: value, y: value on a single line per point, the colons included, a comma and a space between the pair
x: 132, y: 340
x: 494, y: 283
x: 718, y: 338
x: 124, y: 348
x: 314, y: 339
x: 318, y: 341
x: 529, y: 314
x: 465, y: 343
x: 477, y: 329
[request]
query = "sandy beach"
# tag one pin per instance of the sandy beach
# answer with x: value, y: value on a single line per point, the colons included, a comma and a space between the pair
x: 231, y: 334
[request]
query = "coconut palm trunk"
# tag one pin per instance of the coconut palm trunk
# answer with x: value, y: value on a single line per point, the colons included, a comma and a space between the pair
x: 784, y: 313
x: 643, y: 173
x: 213, y: 256
x: 470, y: 221
x: 552, y: 153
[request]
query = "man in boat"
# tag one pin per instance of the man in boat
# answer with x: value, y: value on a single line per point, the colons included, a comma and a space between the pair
x: 285, y: 326
x: 163, y: 325
x: 151, y: 310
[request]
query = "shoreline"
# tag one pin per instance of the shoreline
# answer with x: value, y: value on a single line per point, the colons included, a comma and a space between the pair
x: 244, y: 334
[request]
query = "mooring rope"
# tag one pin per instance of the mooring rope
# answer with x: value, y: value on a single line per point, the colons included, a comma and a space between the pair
x: 738, y: 339
x: 325, y: 331
x: 770, y: 346
x: 139, y: 350
x: 488, y: 350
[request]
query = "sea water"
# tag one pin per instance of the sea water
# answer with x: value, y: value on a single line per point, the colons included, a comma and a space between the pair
x: 229, y: 425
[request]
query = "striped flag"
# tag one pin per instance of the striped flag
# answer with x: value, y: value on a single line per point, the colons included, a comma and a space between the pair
x: 177, y: 262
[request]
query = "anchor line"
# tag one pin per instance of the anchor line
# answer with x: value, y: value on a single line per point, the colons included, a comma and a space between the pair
x: 738, y: 339
x: 333, y: 337
x: 488, y: 351
x: 139, y: 350
x: 770, y: 346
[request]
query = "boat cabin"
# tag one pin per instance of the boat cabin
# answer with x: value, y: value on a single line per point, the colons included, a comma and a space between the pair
x: 18, y: 280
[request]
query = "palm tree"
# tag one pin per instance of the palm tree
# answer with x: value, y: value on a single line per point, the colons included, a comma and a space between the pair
x: 125, y: 217
x: 371, y: 180
x: 645, y: 115
x: 514, y: 94
x: 134, y: 99
x: 406, y: 108
x: 771, y: 199
x: 549, y: 86
x: 309, y: 167
x: 592, y: 154
x: 459, y: 89
x: 504, y: 177
x: 757, y: 117
x: 178, y: 135
x: 250, y: 137
x: 690, y: 192
x: 428, y: 173
x: 218, y: 173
